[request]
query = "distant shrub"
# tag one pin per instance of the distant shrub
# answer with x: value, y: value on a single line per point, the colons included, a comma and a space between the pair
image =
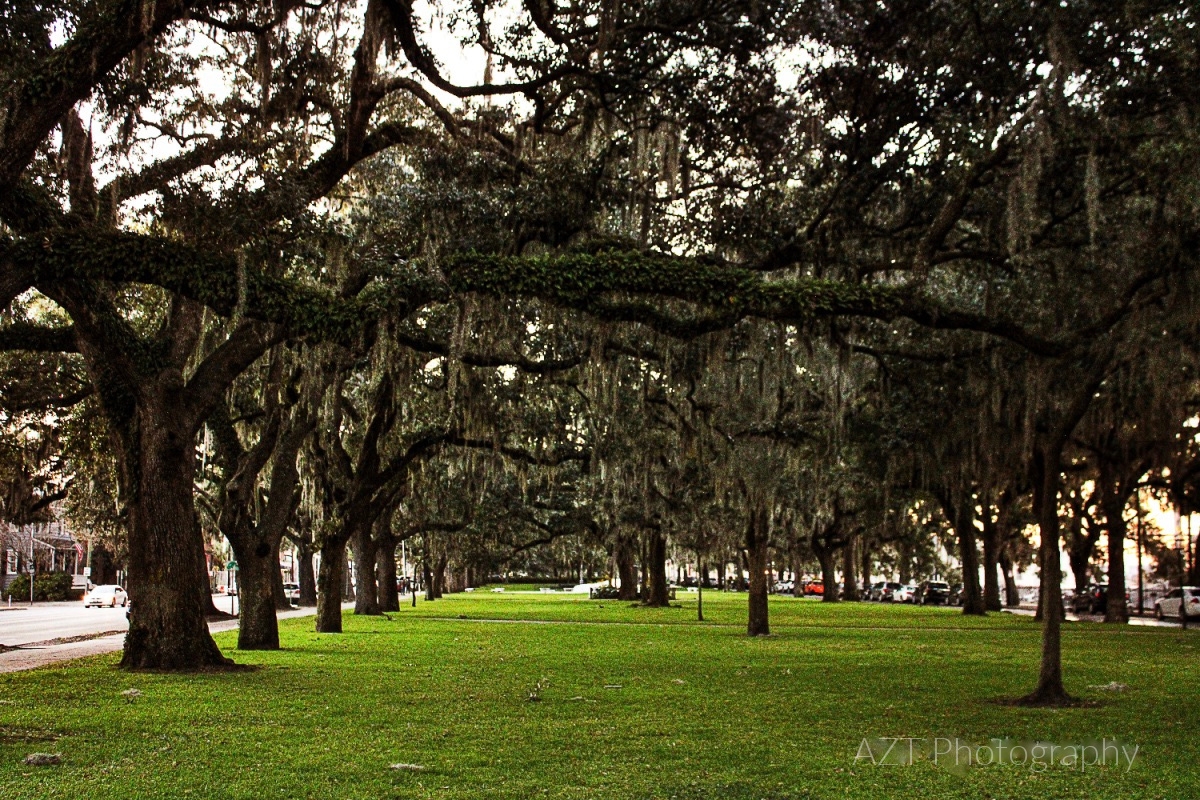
x: 46, y: 586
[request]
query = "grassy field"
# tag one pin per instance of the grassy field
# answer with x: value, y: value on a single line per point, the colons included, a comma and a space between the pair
x: 630, y: 703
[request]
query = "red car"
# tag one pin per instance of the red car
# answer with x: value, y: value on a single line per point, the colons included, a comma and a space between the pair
x: 814, y: 587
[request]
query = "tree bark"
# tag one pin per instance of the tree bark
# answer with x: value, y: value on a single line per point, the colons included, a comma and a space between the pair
x: 1012, y: 595
x: 167, y: 625
x: 960, y: 508
x: 1046, y: 474
x: 656, y: 593
x: 329, y: 582
x: 849, y: 578
x: 757, y: 547
x: 366, y: 591
x: 626, y: 568
x: 307, y: 576
x: 258, y: 570
x: 991, y: 564
x: 385, y: 575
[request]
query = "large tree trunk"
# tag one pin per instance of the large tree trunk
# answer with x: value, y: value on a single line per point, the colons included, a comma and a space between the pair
x: 366, y: 592
x: 1046, y: 474
x: 656, y: 591
x: 329, y: 583
x: 625, y: 555
x: 167, y: 626
x: 757, y: 547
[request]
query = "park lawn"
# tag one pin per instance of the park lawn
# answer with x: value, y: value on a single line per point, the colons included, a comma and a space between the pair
x: 655, y: 707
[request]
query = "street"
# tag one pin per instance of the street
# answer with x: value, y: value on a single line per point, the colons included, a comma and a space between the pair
x: 22, y: 624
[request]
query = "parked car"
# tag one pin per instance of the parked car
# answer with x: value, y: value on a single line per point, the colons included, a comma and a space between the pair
x: 905, y: 594
x: 955, y: 596
x: 1170, y: 604
x: 876, y: 590
x: 1091, y: 599
x: 932, y: 593
x: 814, y: 587
x: 109, y: 595
x: 291, y: 591
x: 888, y: 593
x: 783, y: 587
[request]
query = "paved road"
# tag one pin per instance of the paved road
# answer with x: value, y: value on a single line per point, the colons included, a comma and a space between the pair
x: 42, y: 621
x: 23, y: 623
x: 1149, y: 621
x: 54, y: 620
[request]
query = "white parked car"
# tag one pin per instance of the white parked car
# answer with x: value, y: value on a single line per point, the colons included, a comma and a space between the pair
x: 905, y: 593
x: 1169, y: 605
x: 111, y: 596
x: 291, y: 591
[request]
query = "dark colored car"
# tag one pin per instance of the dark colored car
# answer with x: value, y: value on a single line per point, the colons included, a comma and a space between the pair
x: 1092, y: 599
x: 934, y: 593
x: 955, y: 596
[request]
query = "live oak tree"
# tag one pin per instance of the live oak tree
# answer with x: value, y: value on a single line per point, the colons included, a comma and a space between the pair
x: 898, y: 159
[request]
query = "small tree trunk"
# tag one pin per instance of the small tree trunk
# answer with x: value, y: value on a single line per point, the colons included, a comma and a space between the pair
x: 757, y: 546
x: 307, y: 575
x: 258, y: 566
x: 329, y: 582
x: 864, y: 561
x: 849, y: 580
x: 626, y: 569
x: 1046, y: 478
x: 1116, y: 611
x: 991, y: 562
x: 1012, y: 595
x: 281, y: 599
x: 825, y: 554
x: 656, y: 593
x: 385, y: 577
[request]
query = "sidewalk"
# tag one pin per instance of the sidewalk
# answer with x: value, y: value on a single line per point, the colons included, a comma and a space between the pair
x: 24, y: 658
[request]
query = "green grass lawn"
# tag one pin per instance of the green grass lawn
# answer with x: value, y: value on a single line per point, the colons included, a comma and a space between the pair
x: 643, y: 704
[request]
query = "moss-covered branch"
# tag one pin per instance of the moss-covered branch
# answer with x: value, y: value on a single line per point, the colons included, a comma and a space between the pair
x: 212, y: 278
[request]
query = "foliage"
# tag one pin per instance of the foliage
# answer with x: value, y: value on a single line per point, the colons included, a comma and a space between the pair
x: 46, y: 586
